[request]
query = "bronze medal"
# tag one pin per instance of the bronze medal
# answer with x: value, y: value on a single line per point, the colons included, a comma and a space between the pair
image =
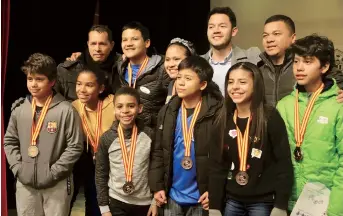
x: 187, y: 163
x: 300, y: 127
x: 298, y: 154
x: 187, y: 133
x: 33, y: 151
x: 128, y: 187
x: 128, y: 159
x: 242, y: 178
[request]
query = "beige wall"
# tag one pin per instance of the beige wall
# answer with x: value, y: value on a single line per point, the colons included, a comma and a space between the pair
x: 324, y: 17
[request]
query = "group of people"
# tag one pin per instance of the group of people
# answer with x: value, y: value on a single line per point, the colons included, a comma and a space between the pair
x: 231, y: 132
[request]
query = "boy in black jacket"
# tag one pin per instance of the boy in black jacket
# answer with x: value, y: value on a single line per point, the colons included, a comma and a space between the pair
x: 178, y: 173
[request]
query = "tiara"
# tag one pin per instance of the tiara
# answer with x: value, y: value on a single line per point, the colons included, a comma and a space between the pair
x: 184, y: 42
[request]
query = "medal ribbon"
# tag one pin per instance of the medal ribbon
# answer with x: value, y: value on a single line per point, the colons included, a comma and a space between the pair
x: 94, y: 140
x: 35, y: 129
x: 141, y: 68
x: 188, y: 132
x: 242, y: 143
x: 299, y: 131
x: 128, y: 159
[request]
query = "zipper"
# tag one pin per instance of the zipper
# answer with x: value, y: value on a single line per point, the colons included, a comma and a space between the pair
x: 276, y: 88
x: 171, y: 158
x: 35, y: 173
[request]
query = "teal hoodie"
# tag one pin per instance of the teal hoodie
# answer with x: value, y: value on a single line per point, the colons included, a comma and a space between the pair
x: 322, y: 147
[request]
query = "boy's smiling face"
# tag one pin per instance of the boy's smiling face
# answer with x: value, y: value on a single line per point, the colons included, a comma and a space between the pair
x: 126, y: 109
x: 39, y: 85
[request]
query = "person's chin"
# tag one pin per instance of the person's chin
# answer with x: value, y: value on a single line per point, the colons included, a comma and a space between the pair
x: 83, y: 100
x: 302, y: 82
x: 126, y: 124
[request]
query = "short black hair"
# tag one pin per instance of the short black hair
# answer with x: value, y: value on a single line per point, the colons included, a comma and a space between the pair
x: 224, y: 10
x: 39, y: 63
x: 138, y: 26
x: 199, y: 65
x: 204, y: 71
x: 316, y: 46
x: 279, y: 17
x: 102, y: 29
x: 126, y: 90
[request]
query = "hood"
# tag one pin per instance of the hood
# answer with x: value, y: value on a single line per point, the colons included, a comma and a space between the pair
x: 154, y: 61
x: 57, y: 99
x: 106, y: 102
x: 330, y: 90
x: 209, y: 106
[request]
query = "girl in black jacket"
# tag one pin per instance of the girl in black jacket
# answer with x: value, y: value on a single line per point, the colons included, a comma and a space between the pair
x: 256, y: 168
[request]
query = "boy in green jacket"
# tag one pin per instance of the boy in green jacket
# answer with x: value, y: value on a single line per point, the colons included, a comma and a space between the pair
x: 314, y: 121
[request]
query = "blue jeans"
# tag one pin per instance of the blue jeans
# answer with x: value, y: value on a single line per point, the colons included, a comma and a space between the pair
x: 235, y: 208
x: 174, y: 209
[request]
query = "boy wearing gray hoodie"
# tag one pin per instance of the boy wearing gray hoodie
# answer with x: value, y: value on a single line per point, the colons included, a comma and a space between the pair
x: 42, y: 142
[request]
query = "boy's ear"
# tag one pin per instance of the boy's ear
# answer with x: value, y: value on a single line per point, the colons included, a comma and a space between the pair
x: 140, y: 108
x: 147, y: 43
x: 203, y: 85
x: 325, y: 68
x: 52, y: 83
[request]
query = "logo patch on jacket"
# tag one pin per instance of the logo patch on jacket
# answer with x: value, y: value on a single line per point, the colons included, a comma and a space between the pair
x: 323, y: 120
x: 233, y: 133
x: 52, y: 127
x: 144, y: 89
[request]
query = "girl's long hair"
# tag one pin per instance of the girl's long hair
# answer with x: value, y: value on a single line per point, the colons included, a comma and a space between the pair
x: 258, y: 107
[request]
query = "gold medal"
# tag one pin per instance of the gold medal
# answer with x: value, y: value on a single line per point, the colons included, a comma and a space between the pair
x: 32, y: 151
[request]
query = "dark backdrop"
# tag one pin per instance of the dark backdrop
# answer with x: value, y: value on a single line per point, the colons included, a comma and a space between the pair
x: 59, y: 27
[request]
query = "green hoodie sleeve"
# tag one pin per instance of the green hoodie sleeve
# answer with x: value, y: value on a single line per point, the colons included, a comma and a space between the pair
x: 335, y: 207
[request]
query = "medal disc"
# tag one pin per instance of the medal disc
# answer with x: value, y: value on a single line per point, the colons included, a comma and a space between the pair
x: 187, y: 163
x: 297, y: 154
x: 242, y: 178
x: 128, y: 188
x: 33, y: 151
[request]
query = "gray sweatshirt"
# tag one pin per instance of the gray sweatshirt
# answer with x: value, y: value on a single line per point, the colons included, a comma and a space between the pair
x: 60, y: 143
x: 110, y: 173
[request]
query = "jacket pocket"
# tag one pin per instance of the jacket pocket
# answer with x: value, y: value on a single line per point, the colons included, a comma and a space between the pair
x: 26, y: 173
x: 44, y: 176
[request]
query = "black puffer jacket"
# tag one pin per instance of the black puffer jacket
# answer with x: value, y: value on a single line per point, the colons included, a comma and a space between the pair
x: 152, y: 85
x: 67, y: 73
x: 205, y: 135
